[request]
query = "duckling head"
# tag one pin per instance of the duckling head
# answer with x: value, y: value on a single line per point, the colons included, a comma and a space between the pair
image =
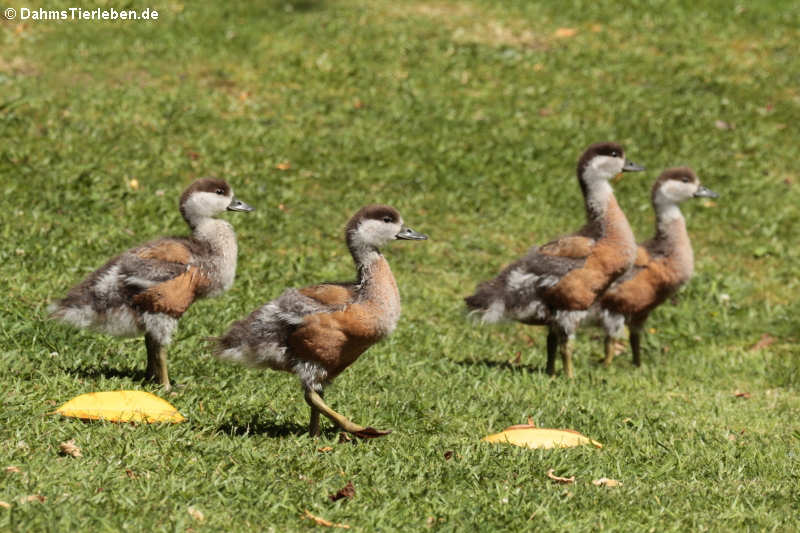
x: 676, y: 185
x: 208, y: 197
x: 602, y: 161
x: 374, y: 226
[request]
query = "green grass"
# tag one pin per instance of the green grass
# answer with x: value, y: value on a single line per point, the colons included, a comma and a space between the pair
x: 468, y: 117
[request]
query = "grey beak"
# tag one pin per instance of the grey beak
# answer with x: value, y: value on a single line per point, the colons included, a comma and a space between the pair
x: 705, y: 192
x: 630, y: 166
x: 238, y: 205
x: 410, y: 235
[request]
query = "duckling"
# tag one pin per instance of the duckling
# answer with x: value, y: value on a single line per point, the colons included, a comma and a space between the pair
x: 555, y: 284
x: 316, y: 332
x: 147, y: 288
x: 663, y: 264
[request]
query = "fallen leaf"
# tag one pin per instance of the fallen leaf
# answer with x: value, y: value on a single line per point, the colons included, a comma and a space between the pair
x: 130, y: 473
x: 325, y: 449
x: 197, y: 514
x: 765, y: 340
x: 607, y: 482
x: 32, y: 498
x: 5, y: 505
x: 565, y: 32
x: 12, y: 470
x: 448, y: 455
x: 526, y: 435
x: 322, y: 522
x: 121, y: 406
x: 559, y: 479
x: 69, y: 448
x: 282, y: 207
x: 745, y: 395
x: 284, y: 165
x: 348, y: 491
x: 517, y: 360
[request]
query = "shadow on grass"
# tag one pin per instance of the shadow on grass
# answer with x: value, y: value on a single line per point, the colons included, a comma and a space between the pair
x: 504, y: 365
x: 93, y: 372
x: 258, y: 426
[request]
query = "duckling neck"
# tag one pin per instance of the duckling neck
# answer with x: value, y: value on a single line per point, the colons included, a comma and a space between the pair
x: 378, y: 289
x: 597, y: 197
x: 220, y: 238
x: 673, y: 239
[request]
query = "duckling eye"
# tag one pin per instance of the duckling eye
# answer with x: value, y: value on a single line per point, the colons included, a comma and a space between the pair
x: 685, y: 179
x: 220, y: 192
x: 387, y: 219
x: 614, y: 153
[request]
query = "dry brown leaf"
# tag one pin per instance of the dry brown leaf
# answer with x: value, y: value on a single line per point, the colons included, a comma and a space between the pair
x: 325, y: 449
x: 559, y: 479
x: 12, y: 470
x: 69, y: 448
x: 5, y: 505
x: 565, y: 32
x: 32, y: 498
x: 448, y: 455
x: 765, y: 340
x: 607, y: 482
x: 517, y: 360
x: 130, y: 473
x: 197, y: 514
x: 322, y: 522
x: 283, y: 165
x: 745, y: 395
x: 348, y: 491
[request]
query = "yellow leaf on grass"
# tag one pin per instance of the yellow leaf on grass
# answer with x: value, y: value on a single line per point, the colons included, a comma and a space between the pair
x: 526, y: 435
x: 121, y: 406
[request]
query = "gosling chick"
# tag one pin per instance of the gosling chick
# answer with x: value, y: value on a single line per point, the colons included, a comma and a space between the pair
x: 555, y: 284
x: 318, y: 331
x: 663, y: 264
x: 146, y: 289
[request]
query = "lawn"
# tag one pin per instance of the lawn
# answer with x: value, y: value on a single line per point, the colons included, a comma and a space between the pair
x: 469, y: 118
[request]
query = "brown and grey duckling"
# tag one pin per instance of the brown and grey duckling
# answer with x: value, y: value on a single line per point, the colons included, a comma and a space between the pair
x: 146, y: 289
x: 318, y: 331
x: 554, y: 285
x: 663, y: 264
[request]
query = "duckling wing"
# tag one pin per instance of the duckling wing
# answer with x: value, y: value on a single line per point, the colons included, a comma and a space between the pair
x: 573, y: 246
x: 160, y: 277
x: 334, y: 295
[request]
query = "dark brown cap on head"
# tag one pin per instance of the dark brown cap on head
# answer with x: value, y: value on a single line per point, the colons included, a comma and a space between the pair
x: 610, y: 149
x: 212, y: 185
x: 682, y: 174
x: 372, y: 212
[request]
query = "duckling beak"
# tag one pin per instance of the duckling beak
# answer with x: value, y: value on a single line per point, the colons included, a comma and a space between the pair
x: 238, y: 205
x: 705, y: 192
x: 630, y: 166
x: 410, y: 235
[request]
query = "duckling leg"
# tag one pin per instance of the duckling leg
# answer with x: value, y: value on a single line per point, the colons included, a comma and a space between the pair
x: 609, y: 351
x: 316, y: 402
x: 636, y: 347
x: 313, y: 425
x: 156, y: 361
x: 566, y: 356
x: 552, y: 348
